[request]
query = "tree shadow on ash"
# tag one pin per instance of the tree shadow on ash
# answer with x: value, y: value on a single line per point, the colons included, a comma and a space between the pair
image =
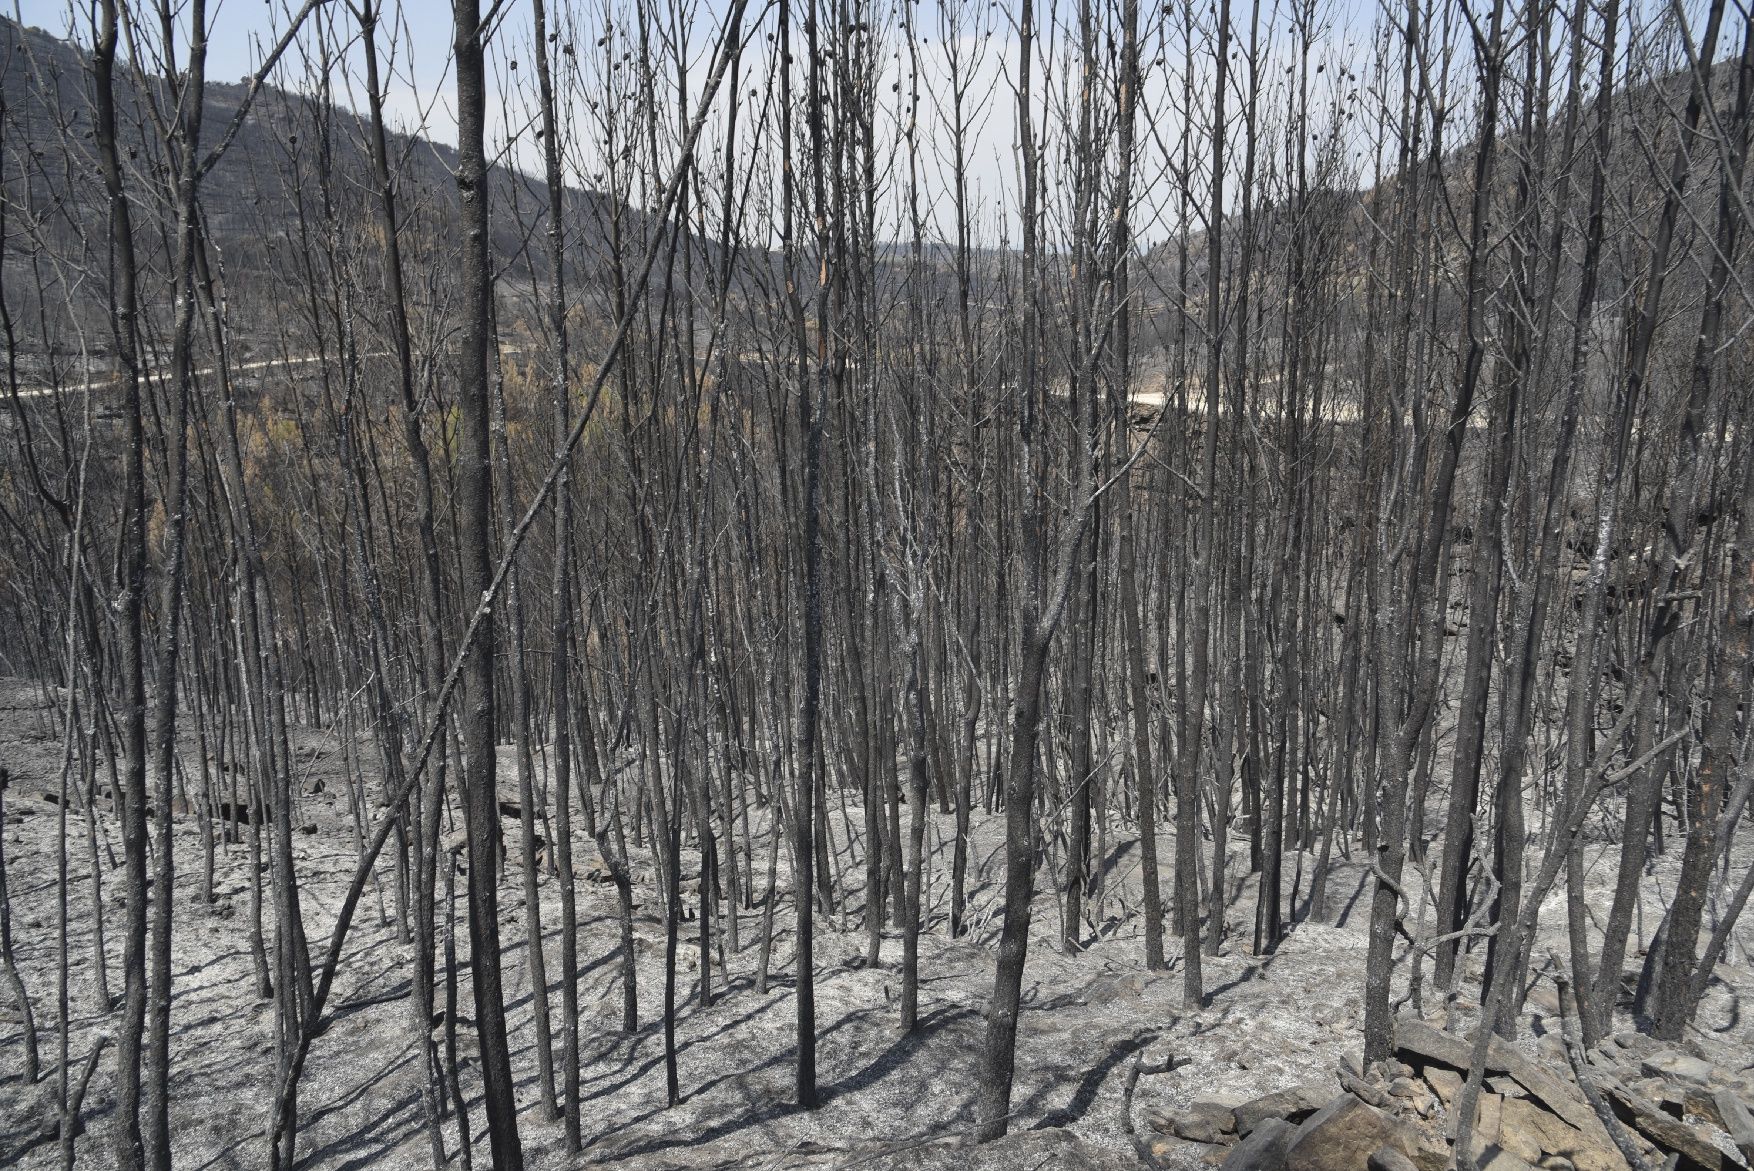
x: 372, y: 1143
x: 1733, y: 1016
x: 1335, y: 872
x: 396, y: 993
x: 760, y: 1110
x: 1255, y: 969
x: 607, y: 1084
x: 387, y: 1128
x: 899, y: 1052
x: 235, y: 1153
x: 1088, y: 1086
x: 1113, y: 861
x: 311, y: 1115
x: 1033, y: 1000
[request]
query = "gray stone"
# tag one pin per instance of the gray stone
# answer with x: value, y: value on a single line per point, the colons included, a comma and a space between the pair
x: 1263, y: 1149
x: 1445, y: 1083
x: 1635, y: 1043
x: 1536, y: 1136
x: 1737, y: 1122
x: 1667, y: 1132
x: 1179, y: 1152
x: 1342, y: 1136
x: 1672, y: 1066
x: 1421, y: 1042
x: 1293, y: 1105
x: 1492, y: 1157
x: 1390, y: 1159
x: 1199, y: 1122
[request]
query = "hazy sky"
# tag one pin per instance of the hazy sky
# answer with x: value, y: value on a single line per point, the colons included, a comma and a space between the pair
x: 420, y: 91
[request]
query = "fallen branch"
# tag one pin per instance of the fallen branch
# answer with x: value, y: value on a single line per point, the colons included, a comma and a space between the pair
x: 1574, y: 1053
x: 1137, y: 1070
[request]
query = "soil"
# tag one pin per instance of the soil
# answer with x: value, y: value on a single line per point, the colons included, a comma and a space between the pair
x: 888, y: 1100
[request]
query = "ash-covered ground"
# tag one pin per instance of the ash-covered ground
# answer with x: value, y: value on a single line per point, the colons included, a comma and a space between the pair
x: 889, y: 1100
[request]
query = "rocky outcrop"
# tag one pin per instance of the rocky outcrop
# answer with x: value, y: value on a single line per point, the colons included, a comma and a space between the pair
x: 1201, y: 1122
x: 1293, y: 1105
x: 1344, y: 1134
x: 1664, y: 1106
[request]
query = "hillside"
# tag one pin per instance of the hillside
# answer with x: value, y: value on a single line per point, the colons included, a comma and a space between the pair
x: 294, y: 192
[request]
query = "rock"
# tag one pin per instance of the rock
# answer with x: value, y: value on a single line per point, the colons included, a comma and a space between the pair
x: 1737, y: 1122
x: 1293, y: 1105
x: 1665, y: 1131
x: 1533, y: 1134
x: 1488, y: 1118
x: 1406, y: 1087
x: 1177, y: 1152
x: 1425, y: 1044
x: 1370, y: 1092
x: 1492, y: 1157
x: 1635, y: 1043
x: 1389, y: 1159
x: 1680, y: 1099
x: 1654, y: 1088
x: 1263, y: 1149
x: 1445, y: 1083
x: 1228, y: 1100
x: 1342, y: 1136
x: 1672, y: 1066
x: 1506, y: 1087
x: 1200, y: 1122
